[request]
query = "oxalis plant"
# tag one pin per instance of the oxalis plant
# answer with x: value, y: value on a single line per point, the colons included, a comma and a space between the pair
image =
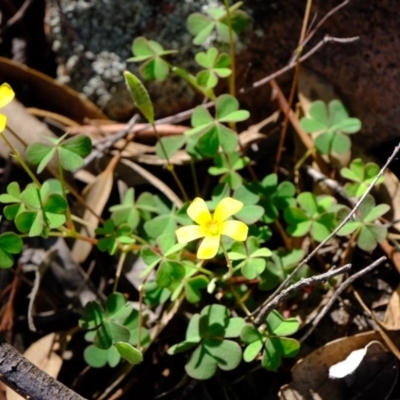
x: 212, y: 253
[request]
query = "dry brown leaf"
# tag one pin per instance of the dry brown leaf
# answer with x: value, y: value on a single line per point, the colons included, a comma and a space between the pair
x: 48, y: 93
x: 27, y: 128
x: 391, y: 195
x: 153, y: 180
x: 96, y: 195
x: 304, y: 137
x: 310, y: 377
x: 392, y: 315
x: 41, y: 354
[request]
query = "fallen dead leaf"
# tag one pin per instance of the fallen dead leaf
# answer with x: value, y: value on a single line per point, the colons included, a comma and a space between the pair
x: 310, y: 376
x: 96, y: 195
x: 45, y: 90
x: 392, y: 315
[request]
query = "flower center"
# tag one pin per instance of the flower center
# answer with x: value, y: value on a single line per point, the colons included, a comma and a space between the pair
x: 213, y: 228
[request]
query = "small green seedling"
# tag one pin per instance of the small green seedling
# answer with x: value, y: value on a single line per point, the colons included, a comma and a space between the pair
x: 332, y: 124
x: 312, y: 217
x: 152, y: 53
x: 202, y: 26
x: 361, y: 176
x: 271, y: 341
x: 251, y: 211
x: 10, y: 243
x: 209, y: 133
x: 113, y: 236
x: 114, y: 328
x: 274, y: 196
x: 279, y: 266
x: 210, y: 332
x: 216, y: 66
x: 70, y: 153
x: 35, y: 211
x: 171, y: 270
x: 250, y: 256
x: 364, y: 226
x: 227, y: 165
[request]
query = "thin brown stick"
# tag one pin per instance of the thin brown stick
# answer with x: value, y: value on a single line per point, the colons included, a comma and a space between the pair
x: 334, y: 232
x: 294, y: 85
x: 338, y: 292
x: 292, y: 64
x: 265, y: 310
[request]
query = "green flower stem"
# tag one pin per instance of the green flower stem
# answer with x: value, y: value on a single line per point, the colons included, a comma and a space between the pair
x: 18, y: 157
x: 208, y: 94
x: 170, y: 167
x: 284, y: 237
x: 140, y: 322
x: 228, y: 261
x: 70, y: 222
x: 232, y: 78
x: 307, y: 154
x: 121, y: 261
x: 240, y: 302
x: 82, y: 222
x: 194, y: 176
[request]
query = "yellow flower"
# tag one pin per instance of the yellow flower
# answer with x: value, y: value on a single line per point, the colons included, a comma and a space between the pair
x: 212, y: 227
x: 6, y: 95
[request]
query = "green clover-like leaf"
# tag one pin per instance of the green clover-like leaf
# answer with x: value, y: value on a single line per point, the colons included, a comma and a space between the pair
x: 364, y: 225
x: 113, y: 236
x: 280, y: 265
x: 209, y: 133
x: 271, y: 341
x: 127, y: 212
x: 362, y: 176
x: 70, y: 152
x: 274, y: 196
x: 10, y: 244
x: 152, y: 53
x: 227, y: 165
x: 250, y: 257
x: 203, y: 25
x: 43, y: 210
x: 332, y: 124
x: 217, y: 66
x: 208, y: 331
x: 312, y: 217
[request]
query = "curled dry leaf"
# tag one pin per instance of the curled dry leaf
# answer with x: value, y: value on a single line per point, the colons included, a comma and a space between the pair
x: 310, y: 377
x: 45, y: 90
x: 96, y: 195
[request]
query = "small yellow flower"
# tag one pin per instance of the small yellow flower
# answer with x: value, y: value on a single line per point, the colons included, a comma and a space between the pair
x: 212, y: 227
x: 6, y: 95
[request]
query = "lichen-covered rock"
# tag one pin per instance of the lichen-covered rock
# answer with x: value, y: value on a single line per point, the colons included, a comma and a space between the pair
x: 93, y: 39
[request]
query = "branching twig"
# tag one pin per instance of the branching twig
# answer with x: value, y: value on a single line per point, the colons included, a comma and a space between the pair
x: 111, y: 140
x: 267, y: 308
x: 337, y: 293
x: 292, y: 64
x: 335, y: 231
x: 28, y: 380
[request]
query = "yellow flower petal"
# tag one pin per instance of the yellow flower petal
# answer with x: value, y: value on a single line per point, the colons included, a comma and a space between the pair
x: 226, y: 208
x: 235, y: 229
x: 3, y: 122
x: 6, y: 94
x: 198, y: 211
x: 208, y: 247
x: 189, y: 233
